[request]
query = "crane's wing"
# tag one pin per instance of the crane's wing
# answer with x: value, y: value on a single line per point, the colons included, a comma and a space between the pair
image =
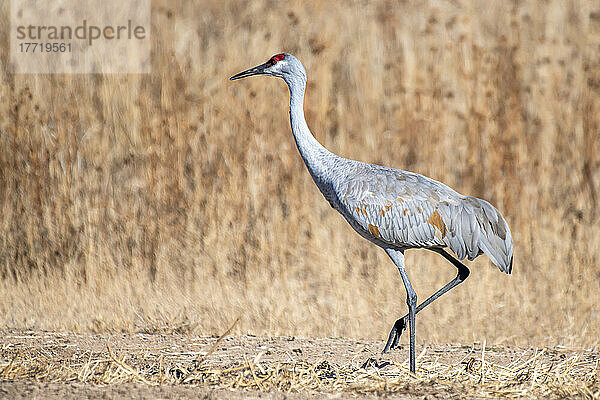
x: 409, y: 210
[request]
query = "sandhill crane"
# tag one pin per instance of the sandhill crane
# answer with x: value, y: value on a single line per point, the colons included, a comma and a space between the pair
x: 397, y: 210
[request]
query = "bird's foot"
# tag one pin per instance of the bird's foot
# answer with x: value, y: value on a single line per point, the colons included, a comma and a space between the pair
x: 394, y: 337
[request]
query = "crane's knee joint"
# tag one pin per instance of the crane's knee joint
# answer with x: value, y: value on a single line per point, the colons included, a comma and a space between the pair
x: 411, y: 299
x: 463, y: 273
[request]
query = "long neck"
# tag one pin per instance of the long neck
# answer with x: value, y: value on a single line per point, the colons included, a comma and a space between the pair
x: 315, y: 156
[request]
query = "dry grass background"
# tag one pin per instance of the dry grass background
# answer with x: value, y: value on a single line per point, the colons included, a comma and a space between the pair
x: 176, y: 201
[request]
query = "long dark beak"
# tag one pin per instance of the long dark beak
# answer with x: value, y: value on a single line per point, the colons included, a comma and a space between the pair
x: 258, y: 70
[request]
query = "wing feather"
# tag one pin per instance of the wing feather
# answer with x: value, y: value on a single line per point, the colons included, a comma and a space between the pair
x: 409, y: 210
x: 476, y: 227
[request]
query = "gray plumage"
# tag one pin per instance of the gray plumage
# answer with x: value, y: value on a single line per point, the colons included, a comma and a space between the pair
x: 395, y: 209
x: 391, y: 207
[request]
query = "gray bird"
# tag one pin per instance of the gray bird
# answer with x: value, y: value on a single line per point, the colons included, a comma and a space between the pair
x: 397, y: 210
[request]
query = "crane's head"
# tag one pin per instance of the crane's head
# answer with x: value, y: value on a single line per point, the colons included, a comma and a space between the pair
x: 283, y: 65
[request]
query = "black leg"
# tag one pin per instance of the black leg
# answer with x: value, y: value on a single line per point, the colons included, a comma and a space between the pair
x: 397, y: 257
x: 400, y: 325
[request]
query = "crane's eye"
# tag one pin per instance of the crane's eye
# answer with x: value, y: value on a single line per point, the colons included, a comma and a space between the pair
x: 275, y: 59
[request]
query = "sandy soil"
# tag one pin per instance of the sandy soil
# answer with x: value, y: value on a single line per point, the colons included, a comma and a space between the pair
x: 35, y: 364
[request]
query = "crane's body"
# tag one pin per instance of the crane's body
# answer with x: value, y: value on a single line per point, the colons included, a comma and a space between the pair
x: 397, y: 210
x: 401, y: 209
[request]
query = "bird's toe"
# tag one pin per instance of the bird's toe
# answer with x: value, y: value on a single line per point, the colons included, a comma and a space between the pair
x: 394, y: 336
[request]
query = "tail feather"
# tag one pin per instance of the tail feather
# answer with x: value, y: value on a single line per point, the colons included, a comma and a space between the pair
x: 477, y: 227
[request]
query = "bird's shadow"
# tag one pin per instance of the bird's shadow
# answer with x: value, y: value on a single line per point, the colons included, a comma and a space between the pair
x: 373, y: 362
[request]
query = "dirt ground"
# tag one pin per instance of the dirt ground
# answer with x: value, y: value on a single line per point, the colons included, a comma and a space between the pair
x: 37, y: 364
